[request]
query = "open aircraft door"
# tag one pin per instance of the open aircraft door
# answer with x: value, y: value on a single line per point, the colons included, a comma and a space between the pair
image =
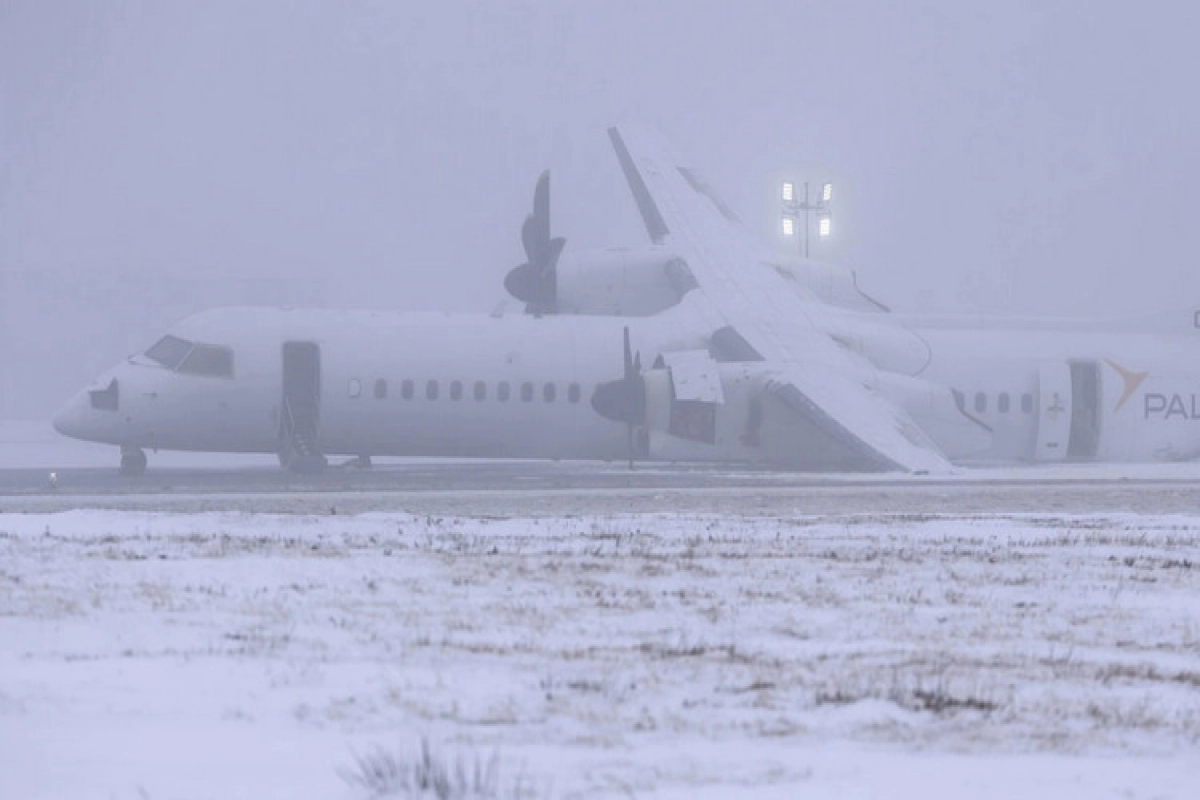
x: 1054, y: 412
x: 300, y: 408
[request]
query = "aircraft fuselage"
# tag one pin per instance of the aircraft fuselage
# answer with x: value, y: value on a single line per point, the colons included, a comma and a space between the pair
x: 405, y: 384
x: 385, y: 384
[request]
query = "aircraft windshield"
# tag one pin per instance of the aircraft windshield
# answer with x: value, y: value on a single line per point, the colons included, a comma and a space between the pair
x: 210, y: 361
x: 169, y: 351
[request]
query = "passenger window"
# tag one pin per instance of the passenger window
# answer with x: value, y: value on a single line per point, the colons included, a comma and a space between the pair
x: 573, y: 392
x: 980, y: 402
x: 526, y: 392
x: 354, y: 387
x: 480, y: 390
x: 548, y: 392
x: 456, y: 390
x: 502, y: 391
x: 169, y: 351
x: 380, y: 389
x: 1002, y: 403
x: 1027, y: 403
x: 431, y: 390
x: 209, y: 361
x: 406, y: 389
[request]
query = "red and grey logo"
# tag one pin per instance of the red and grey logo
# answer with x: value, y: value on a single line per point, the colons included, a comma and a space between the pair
x: 1131, y: 379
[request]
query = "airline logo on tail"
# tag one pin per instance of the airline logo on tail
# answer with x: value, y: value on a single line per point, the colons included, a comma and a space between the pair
x: 1131, y: 379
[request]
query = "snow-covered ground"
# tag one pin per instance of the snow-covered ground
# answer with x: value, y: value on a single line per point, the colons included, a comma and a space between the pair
x: 145, y: 654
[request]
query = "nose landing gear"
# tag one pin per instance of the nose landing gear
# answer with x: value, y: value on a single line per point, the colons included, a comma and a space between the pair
x: 133, y: 461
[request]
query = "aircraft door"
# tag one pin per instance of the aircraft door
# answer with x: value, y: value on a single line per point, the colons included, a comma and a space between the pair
x: 300, y: 410
x: 1085, y: 411
x: 1053, y: 412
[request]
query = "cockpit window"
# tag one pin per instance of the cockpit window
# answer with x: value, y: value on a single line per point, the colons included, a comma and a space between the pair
x: 191, y: 358
x: 169, y: 351
x: 208, y: 360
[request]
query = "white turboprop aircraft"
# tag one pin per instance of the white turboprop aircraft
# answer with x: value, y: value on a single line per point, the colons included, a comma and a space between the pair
x: 751, y: 360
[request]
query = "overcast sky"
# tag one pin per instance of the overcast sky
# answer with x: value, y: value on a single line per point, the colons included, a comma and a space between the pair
x: 158, y: 158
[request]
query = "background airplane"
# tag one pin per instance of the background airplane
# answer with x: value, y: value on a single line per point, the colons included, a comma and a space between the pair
x: 699, y: 346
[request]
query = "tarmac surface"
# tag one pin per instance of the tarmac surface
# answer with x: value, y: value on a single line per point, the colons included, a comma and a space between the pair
x: 538, y: 488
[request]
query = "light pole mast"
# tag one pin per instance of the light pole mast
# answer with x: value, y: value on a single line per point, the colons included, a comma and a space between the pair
x: 792, y: 207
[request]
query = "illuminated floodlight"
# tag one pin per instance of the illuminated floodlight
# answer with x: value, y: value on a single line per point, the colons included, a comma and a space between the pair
x: 789, y: 226
x: 823, y: 227
x: 827, y: 193
x: 789, y: 192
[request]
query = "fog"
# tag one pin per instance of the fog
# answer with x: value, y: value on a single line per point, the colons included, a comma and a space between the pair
x: 157, y: 159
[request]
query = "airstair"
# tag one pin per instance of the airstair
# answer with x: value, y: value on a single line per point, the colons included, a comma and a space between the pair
x: 298, y: 448
x: 299, y: 443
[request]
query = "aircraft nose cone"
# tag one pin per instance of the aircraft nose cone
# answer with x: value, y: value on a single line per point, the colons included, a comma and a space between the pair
x: 61, y: 420
x: 71, y: 419
x: 92, y: 414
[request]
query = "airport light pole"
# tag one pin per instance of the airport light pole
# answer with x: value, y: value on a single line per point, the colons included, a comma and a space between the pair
x: 793, y: 206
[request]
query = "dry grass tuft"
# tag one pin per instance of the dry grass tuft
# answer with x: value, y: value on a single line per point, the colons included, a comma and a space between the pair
x: 432, y: 774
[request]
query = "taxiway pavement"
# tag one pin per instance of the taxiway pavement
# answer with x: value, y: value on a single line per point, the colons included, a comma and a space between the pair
x: 538, y: 488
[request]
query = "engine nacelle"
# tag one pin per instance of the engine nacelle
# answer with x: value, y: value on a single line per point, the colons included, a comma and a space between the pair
x: 749, y: 424
x: 628, y: 282
x: 701, y: 410
x: 642, y: 281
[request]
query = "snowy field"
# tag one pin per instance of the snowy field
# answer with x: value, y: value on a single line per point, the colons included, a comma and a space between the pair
x: 146, y: 654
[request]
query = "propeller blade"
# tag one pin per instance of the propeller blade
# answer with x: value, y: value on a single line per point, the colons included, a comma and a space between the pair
x: 624, y: 400
x: 530, y: 241
x: 629, y: 366
x: 541, y: 205
x: 629, y: 388
x: 629, y: 443
x: 550, y: 275
x: 535, y: 232
x: 536, y: 281
x: 554, y: 249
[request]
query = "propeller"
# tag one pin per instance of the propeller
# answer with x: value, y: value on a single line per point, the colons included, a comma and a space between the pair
x: 624, y: 400
x: 536, y: 281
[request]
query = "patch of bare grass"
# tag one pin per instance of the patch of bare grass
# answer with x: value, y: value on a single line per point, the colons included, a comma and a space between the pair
x: 430, y: 773
x: 935, y: 696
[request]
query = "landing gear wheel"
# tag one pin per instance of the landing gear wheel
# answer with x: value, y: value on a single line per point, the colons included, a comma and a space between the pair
x: 133, y: 461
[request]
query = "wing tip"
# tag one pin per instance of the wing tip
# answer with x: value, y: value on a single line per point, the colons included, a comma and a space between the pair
x: 652, y: 218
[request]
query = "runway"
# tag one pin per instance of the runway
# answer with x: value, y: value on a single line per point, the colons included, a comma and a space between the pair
x: 86, y: 477
x: 536, y: 488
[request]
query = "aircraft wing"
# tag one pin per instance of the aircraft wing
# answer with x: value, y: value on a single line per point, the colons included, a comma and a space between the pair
x: 815, y: 376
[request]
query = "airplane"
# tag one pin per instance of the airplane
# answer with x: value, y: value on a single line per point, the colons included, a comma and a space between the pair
x: 749, y: 359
